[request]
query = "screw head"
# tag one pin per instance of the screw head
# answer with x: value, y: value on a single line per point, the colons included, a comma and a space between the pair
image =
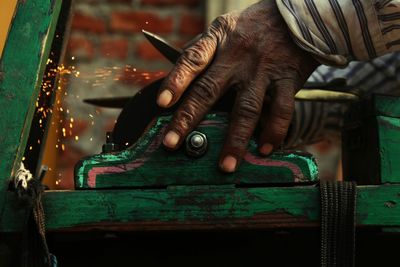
x: 196, y: 144
x: 197, y: 141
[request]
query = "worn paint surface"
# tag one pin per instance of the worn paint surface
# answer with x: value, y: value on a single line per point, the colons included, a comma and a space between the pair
x: 389, y: 148
x: 22, y: 65
x: 388, y: 106
x: 148, y: 164
x: 198, y: 207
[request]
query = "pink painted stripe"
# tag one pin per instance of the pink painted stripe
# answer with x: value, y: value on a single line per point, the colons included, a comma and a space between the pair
x: 155, y: 144
x: 267, y: 162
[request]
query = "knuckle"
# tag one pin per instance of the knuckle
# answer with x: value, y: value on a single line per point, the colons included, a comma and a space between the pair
x: 224, y: 23
x: 206, y: 88
x: 195, y: 57
x: 183, y: 121
x: 249, y: 107
x: 240, y: 140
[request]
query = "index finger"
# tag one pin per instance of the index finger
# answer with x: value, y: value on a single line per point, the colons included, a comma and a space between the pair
x: 192, y: 62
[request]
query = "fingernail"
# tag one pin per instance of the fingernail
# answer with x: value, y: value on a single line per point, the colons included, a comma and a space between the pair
x: 164, y: 98
x: 171, y: 139
x: 266, y: 149
x: 229, y: 164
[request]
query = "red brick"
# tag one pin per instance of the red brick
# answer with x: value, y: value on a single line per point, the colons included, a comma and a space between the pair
x: 146, y: 51
x: 83, y: 22
x: 80, y: 47
x: 117, y: 49
x: 133, y: 21
x: 189, y: 3
x: 191, y: 25
x: 132, y: 76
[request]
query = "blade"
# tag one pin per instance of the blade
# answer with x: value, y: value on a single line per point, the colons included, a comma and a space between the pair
x: 136, y: 115
x: 108, y: 102
x: 169, y: 51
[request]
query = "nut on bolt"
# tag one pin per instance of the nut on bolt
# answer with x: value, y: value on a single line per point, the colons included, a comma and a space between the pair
x: 196, y: 144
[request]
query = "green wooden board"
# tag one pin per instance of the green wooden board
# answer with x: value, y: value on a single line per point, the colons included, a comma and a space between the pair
x: 199, y: 207
x: 148, y: 164
x: 389, y: 148
x: 371, y: 141
x: 21, y: 67
x: 385, y: 105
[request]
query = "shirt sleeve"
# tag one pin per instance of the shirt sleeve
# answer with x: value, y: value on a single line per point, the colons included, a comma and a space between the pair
x: 339, y: 31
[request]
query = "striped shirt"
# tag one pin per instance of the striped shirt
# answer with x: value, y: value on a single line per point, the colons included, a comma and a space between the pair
x: 337, y: 32
x: 340, y: 31
x: 314, y: 121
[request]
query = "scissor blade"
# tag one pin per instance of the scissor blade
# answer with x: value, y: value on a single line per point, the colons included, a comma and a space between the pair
x: 169, y: 51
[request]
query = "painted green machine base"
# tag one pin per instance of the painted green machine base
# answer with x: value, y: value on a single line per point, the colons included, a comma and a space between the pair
x: 147, y: 164
x: 199, y: 207
x: 227, y: 202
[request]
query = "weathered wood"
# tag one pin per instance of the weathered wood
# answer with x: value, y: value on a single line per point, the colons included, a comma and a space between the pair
x: 389, y: 148
x: 200, y: 207
x: 148, y: 164
x: 385, y: 105
x: 22, y: 65
x: 371, y: 141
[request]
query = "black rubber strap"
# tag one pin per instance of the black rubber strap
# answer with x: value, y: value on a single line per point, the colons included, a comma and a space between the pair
x: 338, y: 204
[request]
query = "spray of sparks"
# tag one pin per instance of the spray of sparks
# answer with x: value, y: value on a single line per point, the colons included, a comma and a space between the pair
x: 58, y: 112
x: 61, y: 114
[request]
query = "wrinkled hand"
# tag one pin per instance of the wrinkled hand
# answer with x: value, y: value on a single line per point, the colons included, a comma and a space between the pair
x: 252, y: 53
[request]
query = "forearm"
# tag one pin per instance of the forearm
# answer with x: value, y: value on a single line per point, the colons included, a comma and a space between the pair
x: 338, y: 31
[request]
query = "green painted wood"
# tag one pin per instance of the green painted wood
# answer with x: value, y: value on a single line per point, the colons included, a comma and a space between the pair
x: 389, y: 148
x: 200, y: 207
x: 22, y: 65
x: 148, y: 164
x: 385, y: 105
x: 371, y: 141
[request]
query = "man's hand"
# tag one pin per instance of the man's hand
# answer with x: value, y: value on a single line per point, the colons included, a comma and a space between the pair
x: 252, y: 53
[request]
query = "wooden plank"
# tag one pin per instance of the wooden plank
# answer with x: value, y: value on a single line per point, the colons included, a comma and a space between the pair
x: 148, y: 164
x: 22, y: 65
x: 389, y: 148
x: 386, y: 105
x: 200, y: 207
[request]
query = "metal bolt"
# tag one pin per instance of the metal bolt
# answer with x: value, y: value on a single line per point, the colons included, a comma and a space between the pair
x: 109, y: 146
x: 196, y: 144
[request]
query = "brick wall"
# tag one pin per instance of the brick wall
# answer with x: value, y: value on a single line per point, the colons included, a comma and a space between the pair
x: 107, y: 55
